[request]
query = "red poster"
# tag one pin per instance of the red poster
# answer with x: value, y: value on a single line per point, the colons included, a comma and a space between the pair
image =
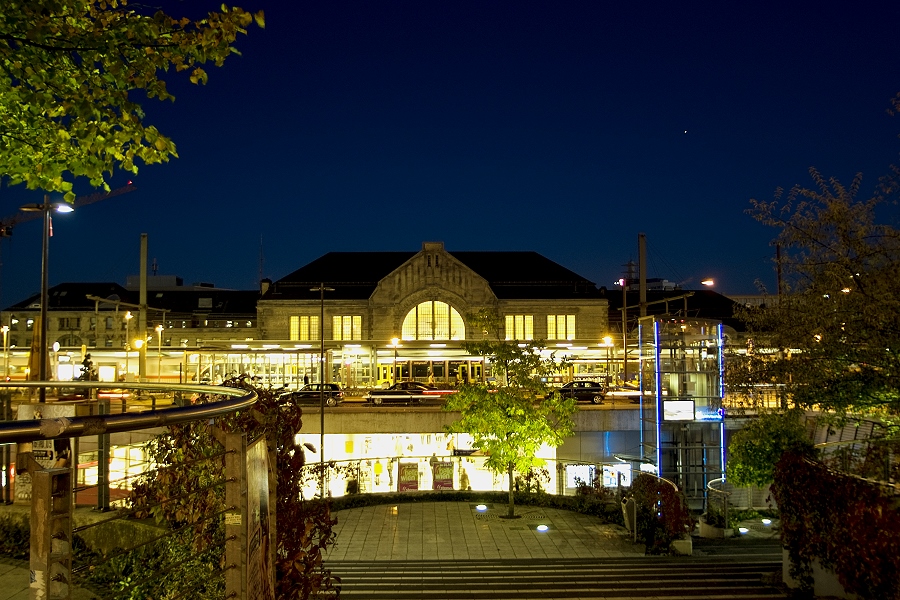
x: 408, y: 477
x: 443, y: 476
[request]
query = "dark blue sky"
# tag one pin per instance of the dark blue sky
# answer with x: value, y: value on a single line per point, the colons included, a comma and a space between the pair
x: 557, y: 127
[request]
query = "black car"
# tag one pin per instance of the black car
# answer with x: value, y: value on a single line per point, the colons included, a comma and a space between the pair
x: 407, y: 392
x: 311, y: 394
x: 584, y: 391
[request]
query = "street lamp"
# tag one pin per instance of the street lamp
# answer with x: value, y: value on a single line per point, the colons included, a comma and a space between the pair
x: 607, y: 343
x: 395, y: 342
x: 128, y: 317
x: 159, y: 330
x: 322, y: 289
x: 46, y: 207
x: 5, y: 330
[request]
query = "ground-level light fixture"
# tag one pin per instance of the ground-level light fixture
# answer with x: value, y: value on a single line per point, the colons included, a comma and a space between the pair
x: 542, y: 528
x: 481, y: 507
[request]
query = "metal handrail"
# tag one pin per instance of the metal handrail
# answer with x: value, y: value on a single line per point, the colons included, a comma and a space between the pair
x: 45, y: 429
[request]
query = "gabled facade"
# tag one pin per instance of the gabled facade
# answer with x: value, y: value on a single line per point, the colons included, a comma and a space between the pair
x: 383, y: 290
x: 425, y: 300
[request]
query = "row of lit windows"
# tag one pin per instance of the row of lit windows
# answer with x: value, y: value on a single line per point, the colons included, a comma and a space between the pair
x: 346, y: 327
x: 303, y: 328
x: 431, y: 320
x: 521, y: 327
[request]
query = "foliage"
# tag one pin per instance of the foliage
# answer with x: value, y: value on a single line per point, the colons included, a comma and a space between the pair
x: 15, y: 538
x: 488, y: 321
x: 511, y: 423
x: 68, y: 72
x: 88, y: 371
x: 830, y: 339
x: 134, y: 575
x: 188, y: 494
x: 533, y: 481
x: 850, y: 526
x: 755, y: 448
x: 661, y: 511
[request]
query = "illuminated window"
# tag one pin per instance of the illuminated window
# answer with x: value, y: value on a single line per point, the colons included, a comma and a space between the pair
x: 303, y: 328
x: 346, y: 327
x: 560, y: 327
x: 433, y: 320
x: 520, y: 327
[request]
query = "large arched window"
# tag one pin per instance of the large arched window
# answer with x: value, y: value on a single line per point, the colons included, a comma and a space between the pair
x: 433, y: 320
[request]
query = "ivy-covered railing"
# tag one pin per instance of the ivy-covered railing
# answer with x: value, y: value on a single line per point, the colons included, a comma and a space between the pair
x: 849, y: 525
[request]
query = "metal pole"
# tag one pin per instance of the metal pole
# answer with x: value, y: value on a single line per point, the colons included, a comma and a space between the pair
x: 322, y: 289
x: 42, y: 330
x: 6, y: 413
x: 322, y: 389
x: 159, y: 332
x: 103, y: 461
x: 624, y: 330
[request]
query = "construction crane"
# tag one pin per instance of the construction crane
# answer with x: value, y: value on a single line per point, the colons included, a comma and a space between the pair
x: 8, y: 223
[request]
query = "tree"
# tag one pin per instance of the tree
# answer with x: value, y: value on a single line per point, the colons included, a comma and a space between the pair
x: 830, y: 338
x: 69, y: 71
x: 510, y: 423
x: 757, y: 447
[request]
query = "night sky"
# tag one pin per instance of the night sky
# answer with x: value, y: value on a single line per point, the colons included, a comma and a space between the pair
x: 566, y: 128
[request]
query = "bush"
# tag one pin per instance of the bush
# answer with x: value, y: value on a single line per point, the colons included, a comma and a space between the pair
x: 15, y: 538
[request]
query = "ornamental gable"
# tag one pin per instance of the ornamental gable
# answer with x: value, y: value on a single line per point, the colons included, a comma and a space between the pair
x: 436, y: 273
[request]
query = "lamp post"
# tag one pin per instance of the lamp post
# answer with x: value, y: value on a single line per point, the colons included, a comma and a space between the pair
x: 394, y: 343
x: 322, y: 289
x: 159, y: 330
x: 607, y: 343
x: 128, y: 317
x: 5, y: 330
x: 46, y: 207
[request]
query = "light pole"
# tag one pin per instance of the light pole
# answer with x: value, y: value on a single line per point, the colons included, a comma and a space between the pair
x: 394, y: 343
x: 607, y: 343
x: 128, y: 317
x: 159, y: 330
x: 322, y: 289
x: 46, y: 207
x: 5, y: 330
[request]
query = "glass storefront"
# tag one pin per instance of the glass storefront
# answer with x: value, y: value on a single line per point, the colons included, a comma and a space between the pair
x: 380, y: 463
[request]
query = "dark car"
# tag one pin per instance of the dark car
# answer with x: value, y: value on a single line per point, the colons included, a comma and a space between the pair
x: 407, y: 392
x: 311, y: 394
x: 584, y: 391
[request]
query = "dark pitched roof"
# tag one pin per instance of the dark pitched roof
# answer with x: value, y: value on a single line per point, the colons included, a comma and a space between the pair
x: 74, y: 297
x: 527, y: 275
x: 214, y: 302
x: 355, y: 275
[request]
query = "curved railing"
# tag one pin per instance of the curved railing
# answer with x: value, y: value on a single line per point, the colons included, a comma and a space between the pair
x: 42, y: 429
x: 876, y: 460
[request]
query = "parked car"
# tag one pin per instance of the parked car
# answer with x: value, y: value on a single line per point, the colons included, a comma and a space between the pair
x: 407, y: 392
x: 584, y: 391
x: 311, y: 394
